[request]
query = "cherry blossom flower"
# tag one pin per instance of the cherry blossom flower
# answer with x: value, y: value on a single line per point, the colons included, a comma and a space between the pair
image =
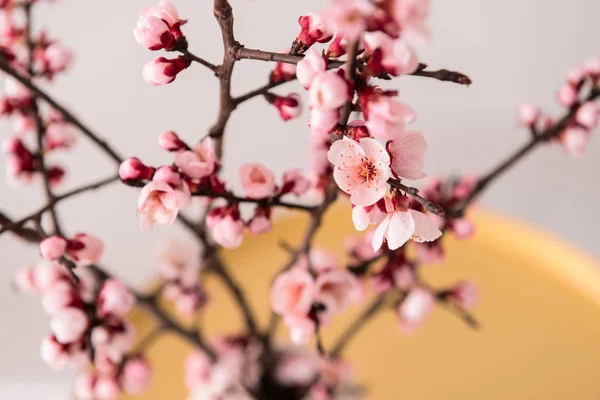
x: 362, y: 217
x: 170, y: 141
x: 574, y: 140
x: 59, y: 296
x: 55, y: 354
x: 283, y: 72
x: 386, y: 117
x: 133, y: 168
x: 85, y: 249
x: 402, y: 224
x: 59, y: 135
x: 323, y: 121
x: 293, y: 292
x: 226, y: 227
x: 392, y: 56
x: 328, y: 91
x: 337, y: 290
x: 465, y: 295
x: 53, y: 247
x: 528, y: 114
x: 587, y: 115
x: 415, y: 308
x: 57, y: 58
x: 163, y: 70
x: 407, y: 153
x: 136, y: 376
x: 198, y: 162
x: 310, y: 66
x: 69, y: 324
x: 313, y: 29
x: 114, y: 298
x: 567, y: 95
x: 260, y: 222
x: 295, y: 182
x: 159, y: 203
x: 302, y: 328
x: 258, y: 181
x: 348, y: 17
x: 289, y: 107
x: 361, y: 169
x: 411, y: 16
x: 158, y: 27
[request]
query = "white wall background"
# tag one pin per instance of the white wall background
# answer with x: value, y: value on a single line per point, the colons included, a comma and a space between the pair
x: 514, y: 50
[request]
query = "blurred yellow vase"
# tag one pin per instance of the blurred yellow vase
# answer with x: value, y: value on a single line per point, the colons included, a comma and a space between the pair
x: 540, y: 317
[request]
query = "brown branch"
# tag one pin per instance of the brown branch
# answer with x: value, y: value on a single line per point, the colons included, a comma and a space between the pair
x: 199, y: 60
x: 350, y: 76
x: 443, y: 75
x: 260, y: 91
x: 95, y: 185
x: 68, y: 117
x: 27, y: 234
x: 267, y: 202
x: 414, y: 192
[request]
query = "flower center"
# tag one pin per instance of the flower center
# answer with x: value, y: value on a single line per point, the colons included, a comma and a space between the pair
x: 366, y: 171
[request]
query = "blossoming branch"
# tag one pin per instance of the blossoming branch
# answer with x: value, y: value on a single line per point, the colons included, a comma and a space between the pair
x: 362, y: 149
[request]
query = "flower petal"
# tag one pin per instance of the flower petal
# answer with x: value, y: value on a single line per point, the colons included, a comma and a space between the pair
x: 402, y: 227
x: 425, y: 228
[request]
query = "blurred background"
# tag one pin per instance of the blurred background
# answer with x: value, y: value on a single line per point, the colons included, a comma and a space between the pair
x: 514, y: 51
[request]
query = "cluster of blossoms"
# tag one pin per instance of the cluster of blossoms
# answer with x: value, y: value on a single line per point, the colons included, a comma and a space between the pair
x: 42, y: 59
x: 242, y: 366
x: 87, y: 320
x: 574, y: 137
x: 169, y: 188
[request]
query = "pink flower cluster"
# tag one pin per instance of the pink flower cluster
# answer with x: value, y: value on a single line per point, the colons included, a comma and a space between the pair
x: 310, y: 292
x: 169, y: 188
x: 179, y: 269
x: 575, y: 136
x: 159, y: 28
x: 238, y: 371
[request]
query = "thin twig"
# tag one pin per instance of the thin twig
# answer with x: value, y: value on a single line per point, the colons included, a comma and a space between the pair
x: 414, y: 192
x: 199, y: 60
x: 259, y: 91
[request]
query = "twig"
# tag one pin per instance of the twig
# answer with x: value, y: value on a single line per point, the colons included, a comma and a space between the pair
x: 95, y: 185
x: 350, y: 76
x: 260, y: 91
x: 199, y: 60
x: 414, y: 192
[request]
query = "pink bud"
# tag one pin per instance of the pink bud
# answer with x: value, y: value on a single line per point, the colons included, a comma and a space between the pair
x: 592, y: 67
x: 295, y: 182
x: 348, y: 17
x: 55, y: 175
x: 258, y: 181
x: 57, y: 57
x: 260, y: 224
x: 134, y: 169
x: 69, y: 324
x: 302, y: 329
x: 136, y: 376
x: 328, y: 91
x: 170, y: 141
x: 574, y: 140
x: 293, y: 292
x: 313, y: 30
x: 199, y: 161
x: 59, y: 135
x: 153, y: 33
x: 53, y: 247
x: 167, y: 174
x: 53, y: 353
x: 282, y: 72
x: 567, y: 95
x: 163, y: 70
x: 337, y: 47
x: 86, y: 249
x: 227, y: 230
x: 587, y: 115
x: 114, y: 298
x: 197, y: 367
x: 415, y: 308
x: 323, y: 121
x: 462, y: 228
x: 58, y: 297
x: 528, y: 114
x: 575, y: 75
x: 106, y: 388
x: 83, y: 386
x: 309, y: 67
x: 289, y: 107
x: 465, y: 295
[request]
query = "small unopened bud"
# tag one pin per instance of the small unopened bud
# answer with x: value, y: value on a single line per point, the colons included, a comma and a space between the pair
x: 134, y: 169
x: 170, y: 141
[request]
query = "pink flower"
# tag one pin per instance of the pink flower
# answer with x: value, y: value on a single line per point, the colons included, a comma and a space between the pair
x: 574, y: 140
x: 86, y: 249
x: 163, y: 70
x: 260, y: 224
x: 283, y: 72
x: 328, y: 91
x: 348, y: 17
x: 309, y: 67
x: 337, y: 290
x: 54, y: 354
x: 313, y: 29
x: 387, y: 118
x: 528, y: 114
x: 411, y: 15
x: 53, y: 247
x: 302, y: 329
x: 113, y: 341
x: 323, y: 121
x: 587, y: 115
x: 136, y: 376
x: 408, y: 155
x: 567, y: 95
x: 462, y: 228
x: 197, y: 368
x: 158, y: 27
x: 114, y: 298
x: 362, y: 217
x: 69, y: 324
x: 226, y: 227
x: 59, y: 135
x: 361, y: 169
x: 389, y: 55
x: 17, y: 93
x: 415, y: 308
x: 83, y: 386
x: 170, y: 141
x: 289, y: 107
x: 295, y: 182
x: 159, y: 203
x: 402, y: 224
x: 59, y: 296
x: 106, y: 388
x: 258, y: 181
x: 465, y: 295
x: 337, y: 47
x: 293, y: 292
x: 198, y: 162
x: 57, y: 57
x: 134, y: 169
x: 168, y: 174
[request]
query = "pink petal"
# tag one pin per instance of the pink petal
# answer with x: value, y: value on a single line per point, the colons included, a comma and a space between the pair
x: 380, y: 232
x: 425, y: 228
x: 400, y: 230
